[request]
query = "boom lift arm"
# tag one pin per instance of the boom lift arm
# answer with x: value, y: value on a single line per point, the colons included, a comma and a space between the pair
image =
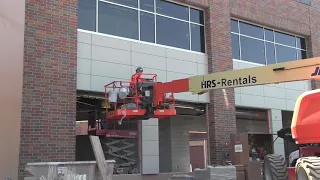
x: 148, y: 98
x: 276, y: 73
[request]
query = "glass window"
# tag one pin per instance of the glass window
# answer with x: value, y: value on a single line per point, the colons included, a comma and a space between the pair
x: 251, y: 30
x: 129, y: 19
x: 147, y: 5
x: 285, y: 54
x: 196, y: 16
x: 234, y: 26
x: 131, y: 3
x: 301, y: 54
x: 252, y: 50
x: 301, y: 43
x: 174, y: 33
x: 147, y: 27
x: 270, y: 53
x: 285, y: 39
x: 265, y: 46
x: 235, y: 46
x: 268, y: 34
x: 197, y: 38
x: 87, y: 15
x: 118, y: 21
x: 172, y: 9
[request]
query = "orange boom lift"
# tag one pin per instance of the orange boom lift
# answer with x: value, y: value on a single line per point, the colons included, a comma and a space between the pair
x: 143, y: 97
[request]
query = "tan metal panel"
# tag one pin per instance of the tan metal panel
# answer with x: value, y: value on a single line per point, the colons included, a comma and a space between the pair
x: 275, y: 73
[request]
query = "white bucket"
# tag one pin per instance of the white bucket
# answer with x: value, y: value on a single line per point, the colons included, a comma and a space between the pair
x: 123, y: 92
x: 113, y: 96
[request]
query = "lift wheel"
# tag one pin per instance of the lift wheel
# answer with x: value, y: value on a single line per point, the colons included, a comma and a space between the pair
x: 308, y: 168
x: 275, y: 167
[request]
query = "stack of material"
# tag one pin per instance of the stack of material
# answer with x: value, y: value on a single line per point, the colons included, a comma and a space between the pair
x: 240, y: 172
x: 240, y: 154
x: 182, y: 177
x: 79, y: 170
x: 214, y: 173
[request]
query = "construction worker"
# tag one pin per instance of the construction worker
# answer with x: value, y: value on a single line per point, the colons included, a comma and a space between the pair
x: 137, y: 77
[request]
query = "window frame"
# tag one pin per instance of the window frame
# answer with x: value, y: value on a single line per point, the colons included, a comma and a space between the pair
x: 266, y: 41
x: 155, y: 22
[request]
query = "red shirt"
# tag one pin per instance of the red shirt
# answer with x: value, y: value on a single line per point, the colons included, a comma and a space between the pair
x: 134, y: 79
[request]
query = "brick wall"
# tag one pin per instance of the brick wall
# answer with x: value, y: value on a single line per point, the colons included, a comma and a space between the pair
x: 286, y: 15
x: 314, y: 38
x: 48, y: 125
x: 222, y: 121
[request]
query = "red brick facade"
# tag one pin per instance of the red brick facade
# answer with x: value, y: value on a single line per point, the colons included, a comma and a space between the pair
x: 222, y: 121
x: 314, y: 38
x: 48, y: 125
x: 49, y: 90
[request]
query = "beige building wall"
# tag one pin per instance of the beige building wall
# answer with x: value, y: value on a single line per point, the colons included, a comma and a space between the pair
x: 12, y: 17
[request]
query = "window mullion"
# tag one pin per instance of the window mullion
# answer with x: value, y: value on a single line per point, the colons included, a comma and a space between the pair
x: 155, y: 21
x: 239, y: 41
x: 139, y: 19
x: 275, y: 48
x: 265, y: 47
x: 97, y: 15
x: 190, y: 46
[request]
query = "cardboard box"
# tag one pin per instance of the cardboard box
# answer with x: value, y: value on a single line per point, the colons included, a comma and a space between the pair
x: 240, y: 172
x: 241, y: 176
x: 239, y: 145
x: 254, y: 171
x: 239, y: 149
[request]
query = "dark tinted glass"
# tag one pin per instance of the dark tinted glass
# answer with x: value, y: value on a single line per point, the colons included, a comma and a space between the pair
x: 173, y: 33
x: 252, y: 50
x: 285, y: 54
x: 285, y: 39
x: 269, y: 35
x: 302, y: 54
x: 251, y: 30
x: 197, y: 38
x: 172, y: 9
x: 147, y: 5
x: 234, y: 26
x: 196, y: 16
x: 147, y: 27
x: 118, y: 21
x: 308, y: 2
x: 131, y: 3
x: 235, y: 46
x: 270, y: 53
x: 301, y: 43
x: 87, y: 15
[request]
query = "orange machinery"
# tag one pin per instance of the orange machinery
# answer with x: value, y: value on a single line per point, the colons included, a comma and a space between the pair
x: 143, y: 97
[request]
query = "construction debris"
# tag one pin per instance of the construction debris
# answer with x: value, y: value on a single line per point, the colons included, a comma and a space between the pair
x: 78, y: 170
